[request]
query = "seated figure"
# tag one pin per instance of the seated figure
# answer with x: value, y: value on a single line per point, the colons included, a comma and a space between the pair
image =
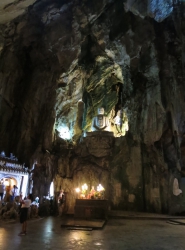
x: 100, y: 122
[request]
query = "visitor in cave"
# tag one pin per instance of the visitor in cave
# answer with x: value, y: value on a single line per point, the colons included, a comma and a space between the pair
x: 2, y: 188
x: 24, y: 214
x: 7, y: 194
x: 13, y: 193
x: 61, y: 201
x: 20, y: 198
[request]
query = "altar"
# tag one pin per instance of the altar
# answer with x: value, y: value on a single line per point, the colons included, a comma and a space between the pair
x: 90, y: 203
x: 91, y: 209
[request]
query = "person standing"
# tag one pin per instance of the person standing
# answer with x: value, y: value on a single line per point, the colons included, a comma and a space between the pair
x: 13, y: 193
x: 2, y: 189
x: 24, y: 214
x: 61, y: 200
x: 19, y: 201
x: 7, y: 194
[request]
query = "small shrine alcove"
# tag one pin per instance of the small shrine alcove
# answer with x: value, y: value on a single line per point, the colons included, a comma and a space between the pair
x: 13, y: 173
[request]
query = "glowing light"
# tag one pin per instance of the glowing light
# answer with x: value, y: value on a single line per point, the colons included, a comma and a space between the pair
x: 6, y: 183
x: 51, y: 190
x: 84, y: 187
x: 77, y: 190
x: 100, y: 188
x: 64, y: 132
x: 97, y: 244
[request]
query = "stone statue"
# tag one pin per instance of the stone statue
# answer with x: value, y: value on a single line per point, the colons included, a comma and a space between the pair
x: 100, y: 122
x: 121, y: 122
x: 176, y: 189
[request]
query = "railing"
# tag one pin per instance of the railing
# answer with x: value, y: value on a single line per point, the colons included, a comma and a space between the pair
x: 11, y: 165
x: 14, y: 169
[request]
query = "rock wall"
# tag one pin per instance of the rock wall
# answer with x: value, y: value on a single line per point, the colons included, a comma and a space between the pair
x: 60, y: 62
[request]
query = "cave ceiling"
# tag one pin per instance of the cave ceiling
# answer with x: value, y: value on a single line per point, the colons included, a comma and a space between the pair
x: 61, y: 60
x: 159, y: 10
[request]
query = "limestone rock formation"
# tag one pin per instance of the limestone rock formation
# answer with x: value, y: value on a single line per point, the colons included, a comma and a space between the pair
x: 10, y: 9
x: 60, y: 61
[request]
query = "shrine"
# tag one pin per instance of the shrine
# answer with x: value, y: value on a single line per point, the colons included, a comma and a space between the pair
x: 91, y: 205
x: 92, y: 201
x: 13, y: 173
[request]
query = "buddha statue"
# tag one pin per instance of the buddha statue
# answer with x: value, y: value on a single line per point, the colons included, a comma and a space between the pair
x: 100, y: 122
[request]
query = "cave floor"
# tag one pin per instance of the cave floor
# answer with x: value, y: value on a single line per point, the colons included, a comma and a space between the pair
x: 117, y: 234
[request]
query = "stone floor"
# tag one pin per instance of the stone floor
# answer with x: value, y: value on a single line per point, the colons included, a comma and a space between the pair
x: 117, y: 234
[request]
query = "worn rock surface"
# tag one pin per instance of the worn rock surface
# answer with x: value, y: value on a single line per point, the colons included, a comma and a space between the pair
x: 60, y: 62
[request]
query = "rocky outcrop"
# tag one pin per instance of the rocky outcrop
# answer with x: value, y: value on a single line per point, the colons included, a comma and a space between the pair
x: 10, y: 9
x: 60, y: 62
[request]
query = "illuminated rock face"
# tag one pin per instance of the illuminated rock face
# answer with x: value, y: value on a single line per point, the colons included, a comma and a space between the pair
x: 60, y: 62
x: 157, y: 9
x: 10, y: 9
